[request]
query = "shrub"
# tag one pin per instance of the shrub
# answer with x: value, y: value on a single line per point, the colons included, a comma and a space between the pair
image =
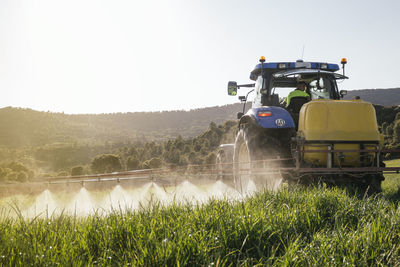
x: 17, y: 166
x: 3, y: 174
x: 63, y: 173
x: 12, y: 176
x: 155, y: 163
x: 132, y: 163
x: 396, y: 132
x: 22, y: 177
x: 106, y: 163
x: 77, y: 170
x: 210, y: 158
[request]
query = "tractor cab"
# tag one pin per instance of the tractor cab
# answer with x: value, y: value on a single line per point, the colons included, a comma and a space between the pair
x: 275, y: 80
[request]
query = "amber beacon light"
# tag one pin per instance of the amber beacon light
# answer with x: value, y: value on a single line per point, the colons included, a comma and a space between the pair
x: 344, y: 62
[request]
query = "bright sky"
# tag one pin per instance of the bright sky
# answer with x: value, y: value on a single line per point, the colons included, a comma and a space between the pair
x: 94, y: 56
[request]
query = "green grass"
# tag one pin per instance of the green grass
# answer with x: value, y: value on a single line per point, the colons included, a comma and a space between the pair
x: 295, y: 226
x: 391, y: 185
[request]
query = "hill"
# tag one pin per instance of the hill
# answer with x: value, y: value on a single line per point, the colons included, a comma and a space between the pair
x: 27, y: 127
x: 384, y: 97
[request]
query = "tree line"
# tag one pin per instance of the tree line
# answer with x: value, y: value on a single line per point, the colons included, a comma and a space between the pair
x: 177, y: 152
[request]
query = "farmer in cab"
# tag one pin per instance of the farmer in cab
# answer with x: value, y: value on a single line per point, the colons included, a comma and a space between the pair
x: 300, y: 91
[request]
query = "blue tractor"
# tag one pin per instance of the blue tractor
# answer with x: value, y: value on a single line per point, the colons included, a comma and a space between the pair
x: 303, y: 137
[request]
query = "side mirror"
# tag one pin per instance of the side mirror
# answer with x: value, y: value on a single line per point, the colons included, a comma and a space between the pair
x: 239, y: 115
x: 343, y: 93
x: 232, y: 88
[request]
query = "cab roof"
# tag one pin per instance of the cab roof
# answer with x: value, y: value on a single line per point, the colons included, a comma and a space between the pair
x: 273, y: 67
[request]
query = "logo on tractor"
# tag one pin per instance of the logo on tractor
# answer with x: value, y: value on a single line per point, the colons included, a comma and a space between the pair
x: 280, y: 122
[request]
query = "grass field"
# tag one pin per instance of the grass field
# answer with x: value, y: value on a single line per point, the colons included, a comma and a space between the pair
x: 294, y: 226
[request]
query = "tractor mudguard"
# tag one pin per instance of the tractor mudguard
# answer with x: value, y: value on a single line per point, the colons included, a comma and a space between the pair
x: 268, y: 117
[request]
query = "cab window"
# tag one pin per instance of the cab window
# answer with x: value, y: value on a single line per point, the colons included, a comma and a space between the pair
x: 321, y: 89
x: 257, y: 90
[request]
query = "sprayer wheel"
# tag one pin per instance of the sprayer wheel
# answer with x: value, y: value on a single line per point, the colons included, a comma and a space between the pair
x: 374, y: 184
x: 242, y: 161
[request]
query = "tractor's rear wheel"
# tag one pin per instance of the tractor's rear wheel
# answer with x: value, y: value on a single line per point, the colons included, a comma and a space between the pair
x: 251, y: 172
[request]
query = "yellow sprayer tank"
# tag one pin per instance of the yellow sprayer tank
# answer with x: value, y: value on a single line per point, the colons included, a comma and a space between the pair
x: 342, y: 125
